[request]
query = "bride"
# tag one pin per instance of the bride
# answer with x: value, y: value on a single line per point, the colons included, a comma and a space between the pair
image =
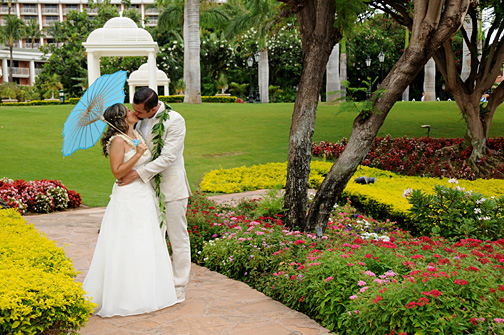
x: 131, y: 271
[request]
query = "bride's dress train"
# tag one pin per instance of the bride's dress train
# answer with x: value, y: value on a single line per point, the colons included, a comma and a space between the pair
x: 131, y: 271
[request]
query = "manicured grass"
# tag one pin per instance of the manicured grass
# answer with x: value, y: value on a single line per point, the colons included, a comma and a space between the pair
x: 218, y: 135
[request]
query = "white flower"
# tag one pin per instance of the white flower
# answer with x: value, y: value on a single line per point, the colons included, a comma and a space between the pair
x: 453, y: 181
x: 477, y: 211
x: 458, y: 188
x: 486, y: 218
x: 480, y: 201
x: 407, y: 192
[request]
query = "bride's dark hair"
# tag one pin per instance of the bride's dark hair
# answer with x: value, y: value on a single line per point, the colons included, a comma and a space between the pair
x: 116, y: 116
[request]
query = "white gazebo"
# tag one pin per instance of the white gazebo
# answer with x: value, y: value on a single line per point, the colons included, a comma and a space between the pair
x: 140, y: 77
x: 120, y: 36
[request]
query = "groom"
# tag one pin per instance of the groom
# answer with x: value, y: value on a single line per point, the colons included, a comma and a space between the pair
x: 174, y: 184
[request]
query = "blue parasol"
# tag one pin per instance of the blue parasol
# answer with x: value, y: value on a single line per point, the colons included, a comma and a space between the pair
x: 85, y: 124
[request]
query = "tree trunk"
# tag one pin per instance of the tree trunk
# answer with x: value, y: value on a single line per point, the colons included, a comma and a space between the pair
x: 193, y: 84
x: 11, y: 67
x: 433, y: 23
x: 466, y: 53
x: 263, y: 73
x: 343, y: 67
x: 430, y: 80
x: 332, y: 76
x: 318, y: 36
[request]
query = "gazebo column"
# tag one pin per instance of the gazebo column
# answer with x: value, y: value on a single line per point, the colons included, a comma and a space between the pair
x: 166, y: 90
x: 131, y: 93
x: 151, y: 60
x: 93, y: 67
x: 6, y: 70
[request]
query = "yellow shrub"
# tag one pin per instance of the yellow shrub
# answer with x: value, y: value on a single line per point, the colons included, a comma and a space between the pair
x: 37, y: 286
x: 383, y: 196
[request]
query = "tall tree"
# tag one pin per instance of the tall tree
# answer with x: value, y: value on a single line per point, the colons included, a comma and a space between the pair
x: 14, y: 29
x: 176, y: 14
x: 192, y: 52
x: 431, y: 23
x: 485, y: 65
x: 33, y: 31
x: 259, y: 15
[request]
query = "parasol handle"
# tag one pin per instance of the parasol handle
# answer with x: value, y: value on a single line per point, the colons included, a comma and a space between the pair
x: 136, y: 142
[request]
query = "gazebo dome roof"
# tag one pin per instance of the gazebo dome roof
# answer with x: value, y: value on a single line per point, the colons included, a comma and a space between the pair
x: 119, y: 30
x: 141, y: 76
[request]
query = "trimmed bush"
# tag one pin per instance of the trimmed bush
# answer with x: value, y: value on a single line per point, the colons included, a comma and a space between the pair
x: 180, y: 98
x: 73, y: 101
x: 38, y: 292
x: 31, y: 103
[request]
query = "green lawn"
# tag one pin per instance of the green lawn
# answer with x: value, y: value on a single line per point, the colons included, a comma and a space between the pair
x: 218, y: 135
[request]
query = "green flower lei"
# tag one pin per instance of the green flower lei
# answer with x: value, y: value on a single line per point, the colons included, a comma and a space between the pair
x: 157, y: 140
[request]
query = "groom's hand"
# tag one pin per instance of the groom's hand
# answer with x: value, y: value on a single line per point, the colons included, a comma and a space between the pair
x: 129, y: 178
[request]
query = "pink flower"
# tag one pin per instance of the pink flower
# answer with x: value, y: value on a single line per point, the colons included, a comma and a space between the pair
x: 350, y: 264
x: 499, y: 320
x: 353, y: 297
x: 328, y: 279
x: 361, y: 283
x: 378, y: 298
x: 364, y: 289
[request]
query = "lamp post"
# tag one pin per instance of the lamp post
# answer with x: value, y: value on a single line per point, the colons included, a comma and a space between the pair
x: 257, y: 58
x: 368, y: 64
x: 62, y: 96
x: 381, y: 58
x: 250, y: 62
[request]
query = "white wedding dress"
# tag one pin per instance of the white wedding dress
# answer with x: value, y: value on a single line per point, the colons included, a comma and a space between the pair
x: 131, y: 271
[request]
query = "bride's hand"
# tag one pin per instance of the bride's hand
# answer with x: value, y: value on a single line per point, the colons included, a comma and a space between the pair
x: 141, y: 148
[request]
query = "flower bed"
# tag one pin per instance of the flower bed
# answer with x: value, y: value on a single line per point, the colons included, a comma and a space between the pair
x: 363, y: 276
x: 39, y: 196
x: 435, y: 157
x: 38, y: 293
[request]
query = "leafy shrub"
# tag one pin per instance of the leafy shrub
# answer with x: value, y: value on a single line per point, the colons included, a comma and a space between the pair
x: 364, y: 276
x: 32, y: 103
x: 73, y: 101
x: 180, y: 98
x: 434, y: 157
x: 39, y: 196
x: 454, y: 212
x: 382, y: 199
x: 38, y: 293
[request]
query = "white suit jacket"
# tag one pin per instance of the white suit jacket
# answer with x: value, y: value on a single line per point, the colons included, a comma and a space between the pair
x: 170, y: 163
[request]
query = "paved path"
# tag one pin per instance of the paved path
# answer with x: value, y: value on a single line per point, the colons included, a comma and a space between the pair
x: 214, y: 303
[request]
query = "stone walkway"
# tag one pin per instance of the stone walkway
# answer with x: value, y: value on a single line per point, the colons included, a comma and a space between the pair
x: 214, y: 303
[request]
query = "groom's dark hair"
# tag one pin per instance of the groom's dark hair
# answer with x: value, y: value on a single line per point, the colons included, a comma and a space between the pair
x: 147, y: 96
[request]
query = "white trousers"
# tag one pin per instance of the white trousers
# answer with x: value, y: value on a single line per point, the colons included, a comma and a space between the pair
x: 176, y: 227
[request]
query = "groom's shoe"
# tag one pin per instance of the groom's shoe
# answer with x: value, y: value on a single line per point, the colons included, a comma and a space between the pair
x: 180, y: 295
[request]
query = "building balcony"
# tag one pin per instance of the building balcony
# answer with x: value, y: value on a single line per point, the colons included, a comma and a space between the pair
x: 47, y: 23
x: 37, y: 71
x: 68, y: 10
x: 152, y: 22
x: 28, y: 11
x: 5, y: 10
x: 91, y: 11
x: 151, y: 11
x: 49, y: 11
x: 29, y: 45
x: 21, y: 72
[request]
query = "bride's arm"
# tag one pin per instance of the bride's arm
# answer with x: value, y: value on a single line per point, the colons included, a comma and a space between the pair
x: 117, y: 149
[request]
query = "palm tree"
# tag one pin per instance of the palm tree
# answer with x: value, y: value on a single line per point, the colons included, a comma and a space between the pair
x: 238, y: 89
x: 176, y: 14
x: 52, y: 83
x: 259, y: 15
x: 33, y: 31
x: 13, y: 30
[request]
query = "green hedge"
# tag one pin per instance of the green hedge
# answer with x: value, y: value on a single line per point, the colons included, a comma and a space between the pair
x: 180, y: 98
x: 38, y: 293
x: 32, y: 103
